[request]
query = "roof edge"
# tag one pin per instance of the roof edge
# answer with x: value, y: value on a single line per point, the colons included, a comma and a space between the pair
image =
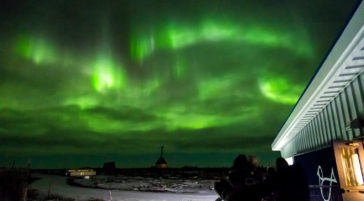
x: 341, y: 48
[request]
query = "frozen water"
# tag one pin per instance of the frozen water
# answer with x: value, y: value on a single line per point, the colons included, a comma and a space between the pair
x: 151, y: 184
x: 57, y: 185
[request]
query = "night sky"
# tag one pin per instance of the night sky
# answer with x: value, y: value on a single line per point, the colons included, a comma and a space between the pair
x: 86, y: 82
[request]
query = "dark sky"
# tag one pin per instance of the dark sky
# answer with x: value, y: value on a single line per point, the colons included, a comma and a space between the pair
x: 85, y: 82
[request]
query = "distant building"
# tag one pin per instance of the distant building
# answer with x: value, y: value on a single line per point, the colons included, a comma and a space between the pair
x: 80, y: 172
x: 325, y: 131
x: 161, y: 162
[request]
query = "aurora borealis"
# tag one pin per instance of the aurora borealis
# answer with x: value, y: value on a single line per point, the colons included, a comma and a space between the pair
x: 85, y: 82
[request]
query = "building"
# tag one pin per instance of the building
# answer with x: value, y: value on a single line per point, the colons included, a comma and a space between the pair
x: 81, y: 173
x: 324, y: 133
x: 161, y: 162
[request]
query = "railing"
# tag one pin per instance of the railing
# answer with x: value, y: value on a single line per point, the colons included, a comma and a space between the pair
x: 325, y: 193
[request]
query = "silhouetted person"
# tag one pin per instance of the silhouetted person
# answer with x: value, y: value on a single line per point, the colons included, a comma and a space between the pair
x: 253, y: 162
x: 229, y: 189
x: 269, y: 187
x: 239, y: 172
x: 224, y: 189
x: 300, y: 185
x: 241, y: 184
x: 292, y: 184
x: 281, y: 164
x: 240, y: 162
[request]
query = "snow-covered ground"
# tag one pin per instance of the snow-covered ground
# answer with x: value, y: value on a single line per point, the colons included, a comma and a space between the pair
x: 149, y: 184
x: 57, y: 185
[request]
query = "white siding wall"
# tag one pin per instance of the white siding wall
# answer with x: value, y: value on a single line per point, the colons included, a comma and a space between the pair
x: 332, y: 122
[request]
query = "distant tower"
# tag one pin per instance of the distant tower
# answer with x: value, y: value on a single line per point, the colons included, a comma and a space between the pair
x: 161, y: 162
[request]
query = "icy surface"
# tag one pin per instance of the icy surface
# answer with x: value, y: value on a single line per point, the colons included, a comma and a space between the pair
x: 151, y: 184
x: 186, y: 190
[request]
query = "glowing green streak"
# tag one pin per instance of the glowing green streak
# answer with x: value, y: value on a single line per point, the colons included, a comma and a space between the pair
x: 280, y: 90
x: 136, y: 93
x: 180, y: 36
x: 177, y: 118
x: 141, y: 47
x: 213, y: 31
x: 151, y: 86
x: 84, y: 101
x: 107, y: 75
x: 190, y: 121
x: 180, y: 68
x: 38, y: 50
x: 213, y: 87
x: 102, y: 123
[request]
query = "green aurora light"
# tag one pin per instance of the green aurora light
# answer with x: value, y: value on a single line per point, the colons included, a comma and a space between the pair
x: 178, y: 75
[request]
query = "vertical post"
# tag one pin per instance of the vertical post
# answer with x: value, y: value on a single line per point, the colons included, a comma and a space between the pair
x: 162, y: 151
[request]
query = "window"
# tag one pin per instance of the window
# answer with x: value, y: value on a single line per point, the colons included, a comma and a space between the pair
x: 351, y: 166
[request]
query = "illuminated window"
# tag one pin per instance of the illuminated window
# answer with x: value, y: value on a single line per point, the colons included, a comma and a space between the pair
x: 351, y: 166
x: 357, y: 168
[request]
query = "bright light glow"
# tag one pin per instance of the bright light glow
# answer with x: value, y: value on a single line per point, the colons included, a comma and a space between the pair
x: 280, y: 90
x: 357, y: 169
x: 289, y: 160
x: 107, y: 75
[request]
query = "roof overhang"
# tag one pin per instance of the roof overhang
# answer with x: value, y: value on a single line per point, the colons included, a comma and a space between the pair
x: 343, y: 64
